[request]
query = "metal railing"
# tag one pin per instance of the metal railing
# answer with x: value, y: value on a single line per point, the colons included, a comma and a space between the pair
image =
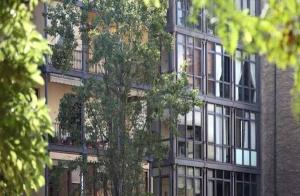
x: 76, y: 61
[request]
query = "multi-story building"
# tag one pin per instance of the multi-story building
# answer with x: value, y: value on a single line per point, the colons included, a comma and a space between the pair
x: 242, y: 142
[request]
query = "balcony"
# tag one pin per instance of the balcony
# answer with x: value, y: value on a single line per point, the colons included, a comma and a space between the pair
x: 79, y: 65
x: 65, y: 137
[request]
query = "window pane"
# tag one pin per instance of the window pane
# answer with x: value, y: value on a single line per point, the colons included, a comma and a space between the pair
x: 197, y: 151
x: 181, y: 131
x: 226, y: 155
x: 239, y: 189
x: 181, y: 185
x: 253, y: 190
x: 197, y: 172
x: 210, y: 152
x: 218, y: 130
x: 190, y: 149
x: 246, y: 157
x: 219, y: 154
x: 156, y: 185
x: 210, y: 107
x: 246, y: 189
x: 226, y: 189
x: 190, y: 171
x: 198, y: 187
x: 253, y: 136
x: 210, y: 87
x: 210, y: 128
x: 198, y: 125
x: 252, y: 7
x: 180, y: 12
x: 226, y: 135
x: 227, y: 74
x: 180, y: 57
x: 210, y: 61
x: 238, y: 4
x: 220, y: 188
x: 165, y: 186
x: 238, y: 133
x: 239, y: 156
x: 189, y: 187
x: 210, y: 188
x: 189, y: 60
x: 218, y: 67
x: 197, y: 62
x: 181, y: 170
x: 246, y: 135
x: 253, y: 158
x: 181, y: 149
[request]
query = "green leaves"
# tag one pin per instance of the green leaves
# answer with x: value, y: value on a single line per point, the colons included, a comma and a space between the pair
x: 24, y: 120
x: 275, y: 34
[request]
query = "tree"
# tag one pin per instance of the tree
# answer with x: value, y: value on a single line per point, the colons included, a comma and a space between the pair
x: 24, y: 120
x: 126, y: 39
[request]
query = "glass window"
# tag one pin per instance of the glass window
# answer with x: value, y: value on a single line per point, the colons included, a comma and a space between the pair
x: 245, y: 184
x: 189, y: 136
x: 245, y: 138
x: 218, y: 71
x: 218, y: 133
x: 189, y: 52
x: 245, y: 78
x: 218, y: 183
x: 189, y: 183
x: 183, y: 11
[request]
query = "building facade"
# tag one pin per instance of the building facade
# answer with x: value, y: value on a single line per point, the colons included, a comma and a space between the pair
x: 242, y: 142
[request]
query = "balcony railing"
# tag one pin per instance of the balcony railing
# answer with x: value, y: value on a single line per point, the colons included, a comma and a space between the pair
x: 78, y: 63
x: 63, y: 137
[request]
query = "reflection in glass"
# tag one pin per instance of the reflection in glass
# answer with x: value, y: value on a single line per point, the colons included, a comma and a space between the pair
x: 219, y: 154
x: 218, y: 130
x: 210, y: 129
x: 189, y: 187
x: 246, y: 157
x: 239, y: 156
x: 210, y: 188
x: 181, y: 185
x: 253, y: 158
x: 198, y: 187
x: 210, y: 152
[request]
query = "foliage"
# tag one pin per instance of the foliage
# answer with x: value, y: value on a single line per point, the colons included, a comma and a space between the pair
x: 64, y: 17
x: 127, y: 37
x: 274, y: 34
x: 24, y: 120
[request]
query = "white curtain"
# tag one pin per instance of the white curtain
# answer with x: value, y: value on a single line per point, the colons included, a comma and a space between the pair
x: 252, y: 71
x: 238, y: 73
x: 218, y: 73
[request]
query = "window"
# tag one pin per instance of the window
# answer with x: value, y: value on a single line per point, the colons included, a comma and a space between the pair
x: 245, y: 138
x: 245, y: 184
x: 189, y: 181
x: 218, y: 183
x: 246, y: 4
x: 189, y: 51
x: 161, y: 181
x: 218, y: 133
x: 189, y: 138
x: 245, y: 78
x: 183, y: 11
x: 218, y: 71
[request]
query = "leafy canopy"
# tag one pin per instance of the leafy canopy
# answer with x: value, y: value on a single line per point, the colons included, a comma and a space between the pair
x: 24, y: 120
x: 125, y: 39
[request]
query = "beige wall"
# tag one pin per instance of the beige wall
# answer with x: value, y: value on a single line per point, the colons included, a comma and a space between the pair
x: 55, y: 93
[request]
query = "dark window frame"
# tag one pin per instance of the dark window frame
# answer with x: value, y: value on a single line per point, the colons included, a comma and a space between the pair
x: 214, y: 144
x: 211, y: 79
